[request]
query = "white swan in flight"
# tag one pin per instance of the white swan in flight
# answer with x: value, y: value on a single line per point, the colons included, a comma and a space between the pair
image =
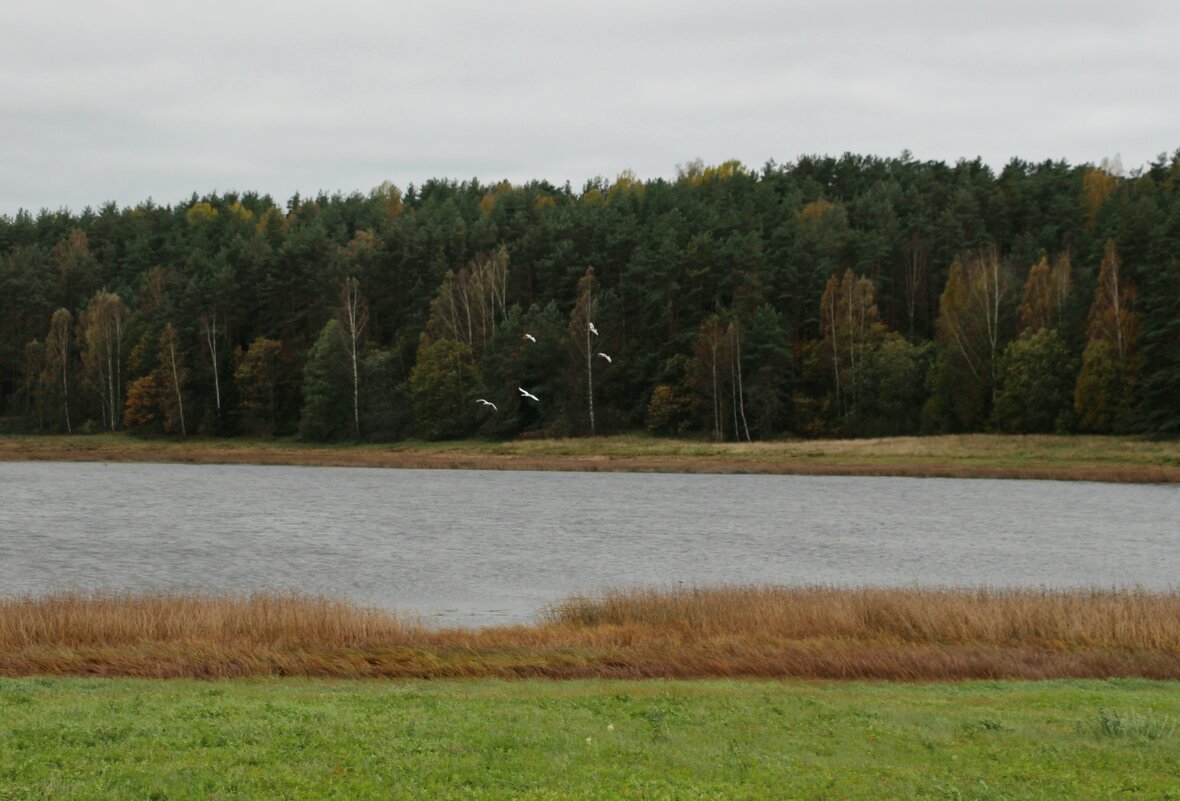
x: 486, y: 403
x: 530, y: 337
x: 608, y: 358
x: 593, y: 330
x: 528, y: 394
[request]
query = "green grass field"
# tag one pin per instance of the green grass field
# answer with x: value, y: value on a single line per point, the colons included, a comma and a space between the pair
x: 301, y: 739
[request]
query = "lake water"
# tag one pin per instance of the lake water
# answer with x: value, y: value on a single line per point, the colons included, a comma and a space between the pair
x: 486, y: 547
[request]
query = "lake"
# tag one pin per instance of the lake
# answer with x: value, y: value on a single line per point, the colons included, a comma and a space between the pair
x: 486, y: 547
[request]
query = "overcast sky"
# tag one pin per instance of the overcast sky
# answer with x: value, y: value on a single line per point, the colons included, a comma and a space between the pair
x: 120, y: 100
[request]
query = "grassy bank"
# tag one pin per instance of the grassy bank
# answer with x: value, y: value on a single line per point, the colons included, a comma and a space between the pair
x: 900, y: 634
x: 299, y: 739
x: 978, y: 455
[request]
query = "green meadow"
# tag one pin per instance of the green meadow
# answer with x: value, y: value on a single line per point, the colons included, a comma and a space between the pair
x: 309, y: 739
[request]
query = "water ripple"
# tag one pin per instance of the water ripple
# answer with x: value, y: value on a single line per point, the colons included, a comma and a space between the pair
x: 474, y: 547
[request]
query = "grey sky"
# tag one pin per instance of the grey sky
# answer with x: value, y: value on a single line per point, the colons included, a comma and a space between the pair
x: 125, y: 100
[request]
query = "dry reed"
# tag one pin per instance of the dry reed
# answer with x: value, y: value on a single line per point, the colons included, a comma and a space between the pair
x: 1130, y: 620
x: 113, y: 620
x: 813, y: 632
x: 1077, y: 458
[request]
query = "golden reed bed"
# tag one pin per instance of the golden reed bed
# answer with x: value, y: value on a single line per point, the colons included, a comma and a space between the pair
x: 813, y: 632
x: 1076, y: 458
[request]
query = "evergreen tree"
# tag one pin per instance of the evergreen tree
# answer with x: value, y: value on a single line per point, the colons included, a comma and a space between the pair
x: 755, y: 250
x: 327, y: 388
x: 1159, y: 392
x: 766, y: 356
x: 444, y: 384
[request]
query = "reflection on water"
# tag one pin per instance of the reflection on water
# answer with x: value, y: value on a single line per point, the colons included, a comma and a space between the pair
x: 485, y: 547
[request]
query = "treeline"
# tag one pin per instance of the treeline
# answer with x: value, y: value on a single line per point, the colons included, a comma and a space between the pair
x: 851, y: 296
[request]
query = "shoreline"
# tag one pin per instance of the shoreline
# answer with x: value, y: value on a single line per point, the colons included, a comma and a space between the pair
x: 1102, y: 459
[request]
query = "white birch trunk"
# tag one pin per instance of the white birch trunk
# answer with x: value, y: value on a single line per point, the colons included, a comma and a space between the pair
x: 176, y: 382
x: 741, y: 389
x: 835, y: 345
x: 211, y: 340
x: 65, y: 380
x: 354, y: 316
x: 590, y: 373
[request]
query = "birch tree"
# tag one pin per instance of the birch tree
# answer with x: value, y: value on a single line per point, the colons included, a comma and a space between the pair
x: 737, y: 388
x: 470, y: 304
x: 211, y: 331
x: 57, y: 360
x: 353, y: 316
x: 973, y: 313
x: 851, y: 326
x: 212, y: 294
x: 1112, y: 317
x: 172, y: 364
x: 709, y: 354
x: 1045, y: 294
x: 581, y: 334
x: 101, y: 330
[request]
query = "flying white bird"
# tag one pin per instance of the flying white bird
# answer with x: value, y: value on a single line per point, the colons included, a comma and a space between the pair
x: 603, y: 355
x: 593, y: 330
x: 528, y: 394
x: 530, y: 337
x: 486, y: 403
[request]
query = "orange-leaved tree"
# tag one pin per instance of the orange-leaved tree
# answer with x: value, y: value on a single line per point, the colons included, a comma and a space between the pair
x: 1105, y: 389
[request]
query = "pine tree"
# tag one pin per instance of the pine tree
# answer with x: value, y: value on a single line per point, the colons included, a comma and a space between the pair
x: 327, y: 384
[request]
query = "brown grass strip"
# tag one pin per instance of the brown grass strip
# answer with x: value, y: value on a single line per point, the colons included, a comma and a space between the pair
x: 809, y: 632
x: 1066, y: 458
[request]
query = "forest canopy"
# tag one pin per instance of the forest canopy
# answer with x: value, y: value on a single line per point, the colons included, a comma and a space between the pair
x: 850, y: 296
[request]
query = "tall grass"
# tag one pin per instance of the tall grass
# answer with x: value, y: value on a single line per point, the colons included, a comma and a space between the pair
x: 1113, y: 723
x: 112, y: 620
x: 816, y: 632
x: 1127, y: 620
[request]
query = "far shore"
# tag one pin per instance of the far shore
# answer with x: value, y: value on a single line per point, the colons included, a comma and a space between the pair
x: 1068, y: 458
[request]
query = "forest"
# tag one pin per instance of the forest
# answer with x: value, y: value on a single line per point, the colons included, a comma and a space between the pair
x: 850, y: 296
